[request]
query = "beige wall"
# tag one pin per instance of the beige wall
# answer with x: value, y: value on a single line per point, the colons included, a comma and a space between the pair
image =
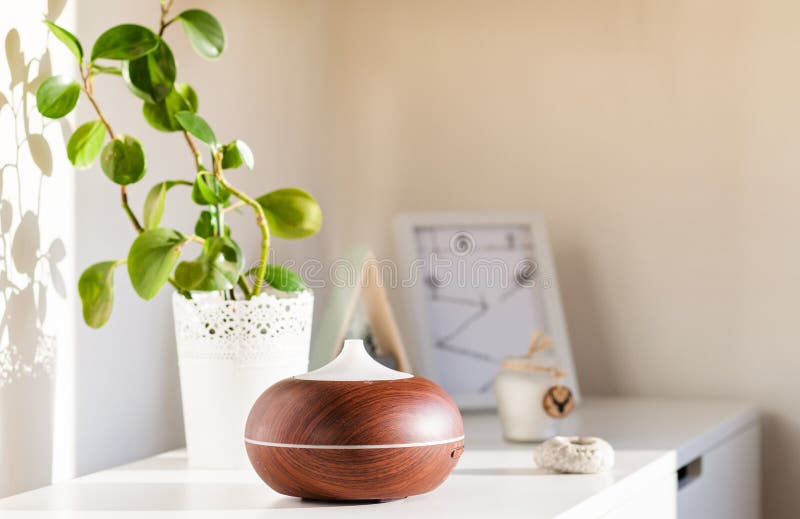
x: 659, y: 137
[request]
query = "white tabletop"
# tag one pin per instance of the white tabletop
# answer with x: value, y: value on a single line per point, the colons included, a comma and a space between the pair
x: 492, y: 477
x: 505, y: 483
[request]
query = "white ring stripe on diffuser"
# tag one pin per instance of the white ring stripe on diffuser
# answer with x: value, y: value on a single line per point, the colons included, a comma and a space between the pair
x: 347, y: 447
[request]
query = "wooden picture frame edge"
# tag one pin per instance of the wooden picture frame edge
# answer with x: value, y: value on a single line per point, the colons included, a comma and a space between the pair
x: 341, y: 308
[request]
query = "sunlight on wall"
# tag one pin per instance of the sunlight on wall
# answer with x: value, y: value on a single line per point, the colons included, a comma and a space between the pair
x: 36, y: 233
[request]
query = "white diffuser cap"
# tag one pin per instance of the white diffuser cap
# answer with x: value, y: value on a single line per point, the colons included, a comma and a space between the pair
x: 353, y: 364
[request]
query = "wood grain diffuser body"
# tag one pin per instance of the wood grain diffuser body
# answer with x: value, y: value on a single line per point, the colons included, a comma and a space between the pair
x: 354, y: 430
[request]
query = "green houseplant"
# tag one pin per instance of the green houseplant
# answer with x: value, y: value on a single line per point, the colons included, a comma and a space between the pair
x: 234, y: 338
x: 144, y: 62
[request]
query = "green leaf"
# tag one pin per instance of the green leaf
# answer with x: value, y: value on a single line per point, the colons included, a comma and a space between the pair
x: 189, y: 95
x: 123, y: 160
x: 198, y: 127
x: 155, y: 201
x: 85, y: 144
x: 216, y: 268
x: 151, y: 76
x: 57, y: 96
x: 204, y: 32
x: 124, y: 42
x: 96, y: 288
x: 67, y: 38
x: 114, y: 71
x: 281, y: 278
x: 152, y: 258
x: 235, y: 154
x: 206, y: 225
x: 161, y: 116
x: 291, y: 213
x: 207, y: 191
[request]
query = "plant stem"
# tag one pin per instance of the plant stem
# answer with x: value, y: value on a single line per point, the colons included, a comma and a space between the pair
x: 233, y: 206
x: 88, y: 88
x: 166, y: 5
x: 261, y: 221
x: 218, y: 213
x: 245, y: 286
x: 89, y: 91
x: 218, y: 216
x: 127, y: 208
x: 198, y: 160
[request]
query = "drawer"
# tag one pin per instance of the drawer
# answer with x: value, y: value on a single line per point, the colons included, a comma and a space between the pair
x: 724, y: 482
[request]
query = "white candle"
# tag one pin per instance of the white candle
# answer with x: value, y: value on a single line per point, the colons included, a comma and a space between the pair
x: 519, y: 403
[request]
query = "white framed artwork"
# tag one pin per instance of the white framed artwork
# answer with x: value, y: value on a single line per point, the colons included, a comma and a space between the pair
x: 477, y: 286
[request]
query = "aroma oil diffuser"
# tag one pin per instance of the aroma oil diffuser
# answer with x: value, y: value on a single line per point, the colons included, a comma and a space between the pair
x: 354, y: 430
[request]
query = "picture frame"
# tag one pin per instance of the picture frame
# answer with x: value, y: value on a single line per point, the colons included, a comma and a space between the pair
x: 463, y: 328
x: 358, y: 308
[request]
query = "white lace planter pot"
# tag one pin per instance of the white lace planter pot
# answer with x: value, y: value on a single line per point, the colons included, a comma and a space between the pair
x: 229, y: 352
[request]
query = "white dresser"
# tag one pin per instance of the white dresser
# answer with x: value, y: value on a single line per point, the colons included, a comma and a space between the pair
x: 694, y: 458
x: 716, y: 446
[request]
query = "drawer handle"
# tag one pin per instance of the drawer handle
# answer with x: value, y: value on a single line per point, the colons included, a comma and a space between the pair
x: 690, y: 472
